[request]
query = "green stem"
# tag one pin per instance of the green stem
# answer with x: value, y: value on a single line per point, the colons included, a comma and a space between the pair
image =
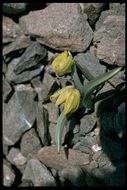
x: 76, y: 80
x: 62, y: 120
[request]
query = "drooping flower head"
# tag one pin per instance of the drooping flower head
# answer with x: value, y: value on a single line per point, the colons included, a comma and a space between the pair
x: 69, y: 96
x: 63, y: 63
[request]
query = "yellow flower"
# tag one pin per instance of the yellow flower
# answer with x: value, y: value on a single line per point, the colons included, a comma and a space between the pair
x: 63, y: 63
x: 69, y: 96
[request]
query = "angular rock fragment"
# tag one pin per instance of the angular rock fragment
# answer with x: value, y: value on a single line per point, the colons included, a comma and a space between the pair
x: 30, y: 144
x: 8, y: 176
x: 92, y: 10
x: 67, y: 27
x: 43, y: 124
x: 16, y: 158
x: 49, y: 156
x: 87, y: 123
x: 10, y: 30
x: 18, y: 115
x: 53, y: 112
x: 24, y: 76
x: 89, y: 65
x: 38, y: 174
x: 110, y: 39
x: 31, y: 57
x: 20, y: 43
x: 45, y: 87
x: 7, y: 90
x: 74, y: 175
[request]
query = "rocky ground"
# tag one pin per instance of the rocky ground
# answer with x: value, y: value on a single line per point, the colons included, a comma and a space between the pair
x: 93, y: 151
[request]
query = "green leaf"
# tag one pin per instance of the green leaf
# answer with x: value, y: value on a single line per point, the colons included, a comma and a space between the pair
x: 62, y: 120
x: 88, y: 102
x: 76, y: 79
x: 93, y: 84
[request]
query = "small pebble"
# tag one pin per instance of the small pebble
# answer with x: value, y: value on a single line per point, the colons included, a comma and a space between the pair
x: 96, y: 147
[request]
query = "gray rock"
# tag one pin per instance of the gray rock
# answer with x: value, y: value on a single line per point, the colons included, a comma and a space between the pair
x: 14, y: 8
x: 43, y: 124
x: 37, y: 86
x: 110, y: 40
x: 26, y: 184
x: 7, y: 90
x: 102, y: 18
x: 87, y: 123
x: 31, y: 57
x: 10, y: 30
x: 102, y: 159
x: 67, y: 27
x: 74, y: 175
x: 24, y: 76
x: 8, y: 176
x: 16, y: 158
x: 5, y: 149
x: 20, y: 43
x: 19, y: 114
x: 82, y: 148
x: 76, y: 129
x: 92, y: 10
x: 48, y: 155
x: 47, y: 84
x: 88, y: 141
x: 50, y: 55
x: 4, y: 67
x: 44, y: 87
x: 30, y: 144
x: 26, y: 96
x: 76, y: 138
x: 38, y: 174
x: 118, y: 8
x: 89, y: 65
x: 115, y: 9
x: 53, y: 112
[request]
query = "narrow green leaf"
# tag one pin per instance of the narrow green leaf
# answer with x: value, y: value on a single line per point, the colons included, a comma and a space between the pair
x: 93, y: 84
x: 88, y: 102
x: 77, y: 81
x: 62, y: 120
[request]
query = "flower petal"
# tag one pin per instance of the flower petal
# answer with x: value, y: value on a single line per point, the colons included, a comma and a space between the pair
x: 72, y: 102
x: 63, y: 96
x: 58, y: 92
x: 62, y: 64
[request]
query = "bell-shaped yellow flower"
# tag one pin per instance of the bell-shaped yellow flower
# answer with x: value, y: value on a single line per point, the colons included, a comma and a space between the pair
x: 69, y: 96
x: 63, y: 63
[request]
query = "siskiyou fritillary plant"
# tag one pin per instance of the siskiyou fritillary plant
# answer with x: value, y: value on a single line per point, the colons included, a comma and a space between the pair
x: 74, y: 96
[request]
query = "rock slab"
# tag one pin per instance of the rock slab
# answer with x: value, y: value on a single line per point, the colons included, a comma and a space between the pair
x: 110, y: 38
x: 49, y: 156
x: 60, y: 26
x: 38, y: 174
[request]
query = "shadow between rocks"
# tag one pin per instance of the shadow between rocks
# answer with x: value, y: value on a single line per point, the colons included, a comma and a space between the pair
x: 112, y: 135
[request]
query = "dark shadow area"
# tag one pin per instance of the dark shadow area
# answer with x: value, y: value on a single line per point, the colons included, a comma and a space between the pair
x: 29, y: 7
x: 112, y: 138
